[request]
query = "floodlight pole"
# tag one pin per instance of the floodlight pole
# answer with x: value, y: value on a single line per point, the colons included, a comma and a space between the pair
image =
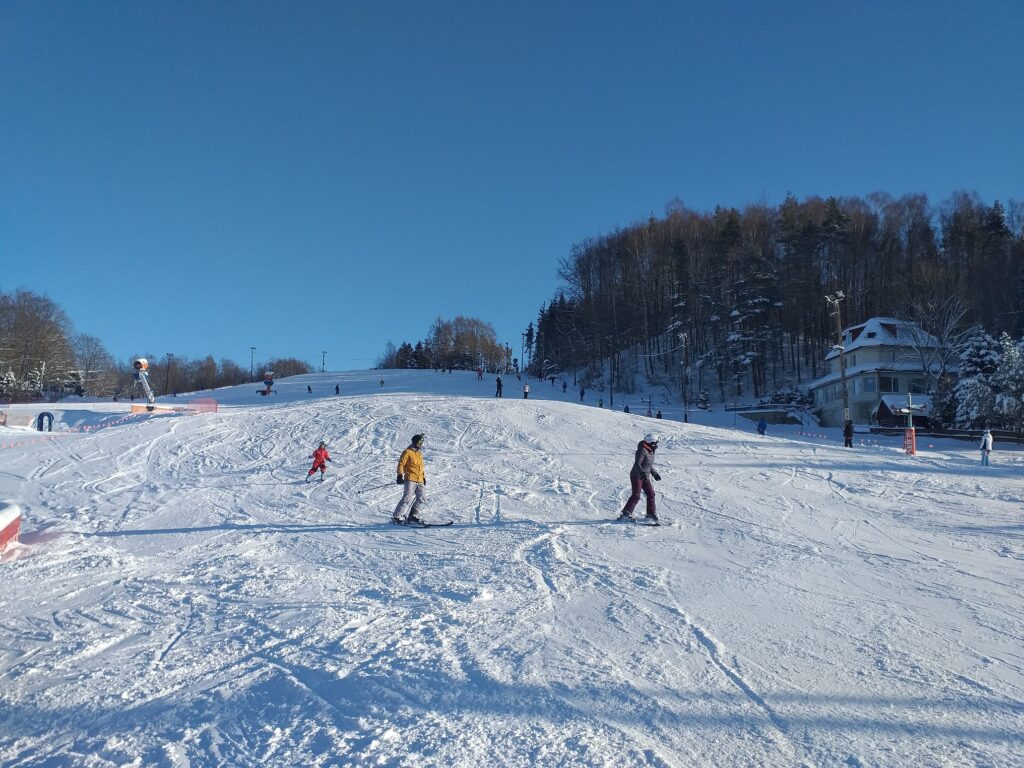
x: 167, y: 374
x: 252, y: 361
x: 323, y: 360
x: 834, y: 303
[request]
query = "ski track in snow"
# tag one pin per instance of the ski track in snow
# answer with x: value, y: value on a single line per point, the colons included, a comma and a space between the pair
x: 190, y: 600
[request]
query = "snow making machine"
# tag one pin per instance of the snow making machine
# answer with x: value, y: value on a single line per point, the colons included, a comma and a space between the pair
x: 142, y: 378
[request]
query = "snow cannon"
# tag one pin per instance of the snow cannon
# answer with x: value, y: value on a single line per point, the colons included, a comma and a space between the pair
x: 268, y: 383
x: 141, y: 366
x: 10, y: 523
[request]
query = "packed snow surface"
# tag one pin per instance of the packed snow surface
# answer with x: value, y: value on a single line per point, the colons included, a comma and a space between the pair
x: 182, y: 597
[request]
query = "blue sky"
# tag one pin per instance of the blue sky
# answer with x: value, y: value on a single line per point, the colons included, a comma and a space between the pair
x: 199, y: 178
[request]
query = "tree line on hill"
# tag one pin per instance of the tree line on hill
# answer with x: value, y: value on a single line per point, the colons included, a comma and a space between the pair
x: 738, y: 297
x: 42, y: 358
x: 464, y: 343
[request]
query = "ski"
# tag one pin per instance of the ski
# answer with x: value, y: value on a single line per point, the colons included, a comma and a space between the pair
x: 641, y: 521
x: 422, y: 524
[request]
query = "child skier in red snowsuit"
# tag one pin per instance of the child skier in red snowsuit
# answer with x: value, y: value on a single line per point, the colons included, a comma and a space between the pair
x: 320, y: 458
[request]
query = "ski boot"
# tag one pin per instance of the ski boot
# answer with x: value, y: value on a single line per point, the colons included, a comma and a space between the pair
x: 651, y: 517
x: 627, y: 516
x: 413, y: 519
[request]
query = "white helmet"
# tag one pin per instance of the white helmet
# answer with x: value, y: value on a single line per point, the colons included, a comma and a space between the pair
x: 651, y: 438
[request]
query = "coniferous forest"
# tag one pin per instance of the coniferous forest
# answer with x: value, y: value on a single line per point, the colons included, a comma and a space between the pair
x: 738, y: 295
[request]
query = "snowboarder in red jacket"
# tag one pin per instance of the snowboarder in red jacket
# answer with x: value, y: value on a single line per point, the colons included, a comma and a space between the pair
x: 320, y: 458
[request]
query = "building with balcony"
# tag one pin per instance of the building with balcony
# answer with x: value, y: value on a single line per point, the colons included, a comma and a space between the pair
x: 883, y: 359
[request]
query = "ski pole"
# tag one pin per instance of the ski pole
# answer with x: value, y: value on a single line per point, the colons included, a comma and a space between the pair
x: 377, y: 487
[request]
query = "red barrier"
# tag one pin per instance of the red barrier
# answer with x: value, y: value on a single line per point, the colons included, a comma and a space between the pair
x: 10, y: 523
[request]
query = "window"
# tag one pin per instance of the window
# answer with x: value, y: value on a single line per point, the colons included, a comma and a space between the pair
x: 918, y: 387
x: 869, y: 384
x: 853, y: 360
x: 888, y: 384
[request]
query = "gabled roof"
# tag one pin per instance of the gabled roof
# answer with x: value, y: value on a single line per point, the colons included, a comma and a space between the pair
x: 895, y: 402
x: 884, y: 332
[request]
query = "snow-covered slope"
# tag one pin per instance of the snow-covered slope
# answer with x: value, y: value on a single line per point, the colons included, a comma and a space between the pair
x: 182, y: 597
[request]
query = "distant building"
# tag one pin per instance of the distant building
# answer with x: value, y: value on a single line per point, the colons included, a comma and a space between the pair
x: 882, y: 361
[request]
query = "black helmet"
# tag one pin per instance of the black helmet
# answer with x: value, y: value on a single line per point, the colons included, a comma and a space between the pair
x: 417, y: 440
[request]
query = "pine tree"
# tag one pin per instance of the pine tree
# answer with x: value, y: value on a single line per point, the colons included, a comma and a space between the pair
x: 8, y: 386
x: 704, y: 400
x: 1009, y: 383
x: 975, y: 397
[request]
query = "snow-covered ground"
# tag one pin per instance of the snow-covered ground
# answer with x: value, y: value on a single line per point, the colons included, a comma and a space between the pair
x: 181, y: 597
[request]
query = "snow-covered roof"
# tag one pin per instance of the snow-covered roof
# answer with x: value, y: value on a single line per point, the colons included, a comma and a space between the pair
x: 884, y: 332
x: 896, y: 401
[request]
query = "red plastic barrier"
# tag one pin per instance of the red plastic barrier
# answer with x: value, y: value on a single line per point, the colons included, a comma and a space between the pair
x: 10, y: 523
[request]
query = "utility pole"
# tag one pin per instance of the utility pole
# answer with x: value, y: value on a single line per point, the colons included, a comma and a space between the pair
x: 323, y: 360
x: 611, y: 374
x: 833, y: 301
x: 167, y: 374
x: 686, y: 377
x: 252, y: 362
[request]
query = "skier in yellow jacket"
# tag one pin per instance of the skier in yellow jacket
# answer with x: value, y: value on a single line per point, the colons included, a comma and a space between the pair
x: 411, y: 475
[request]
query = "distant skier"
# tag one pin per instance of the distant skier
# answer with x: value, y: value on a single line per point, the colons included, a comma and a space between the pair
x: 582, y: 393
x: 337, y: 389
x: 309, y: 389
x: 640, y: 478
x: 625, y: 408
x: 986, y: 447
x: 564, y: 386
x: 412, y: 476
x: 657, y: 415
x: 526, y: 391
x: 848, y: 434
x: 320, y: 458
x: 762, y: 426
x: 498, y: 386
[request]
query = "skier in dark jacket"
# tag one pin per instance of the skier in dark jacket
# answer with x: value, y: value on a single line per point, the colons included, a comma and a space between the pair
x: 762, y: 425
x: 848, y: 434
x: 498, y: 387
x: 640, y: 478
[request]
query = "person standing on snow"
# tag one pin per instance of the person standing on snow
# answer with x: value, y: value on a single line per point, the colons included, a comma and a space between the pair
x: 526, y: 391
x: 564, y: 386
x: 640, y: 478
x: 762, y: 426
x: 498, y: 386
x: 848, y: 434
x: 986, y: 447
x: 412, y: 476
x: 320, y: 458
